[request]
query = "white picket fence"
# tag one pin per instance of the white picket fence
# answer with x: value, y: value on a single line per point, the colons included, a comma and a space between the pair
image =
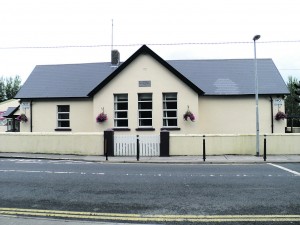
x: 126, y: 145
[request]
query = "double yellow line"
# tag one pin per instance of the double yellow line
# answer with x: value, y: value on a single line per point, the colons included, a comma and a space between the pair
x: 146, y: 217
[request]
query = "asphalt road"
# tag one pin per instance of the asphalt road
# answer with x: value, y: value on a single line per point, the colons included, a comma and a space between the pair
x: 150, y: 189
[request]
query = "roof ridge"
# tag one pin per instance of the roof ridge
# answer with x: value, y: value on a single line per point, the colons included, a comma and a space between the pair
x: 168, y: 60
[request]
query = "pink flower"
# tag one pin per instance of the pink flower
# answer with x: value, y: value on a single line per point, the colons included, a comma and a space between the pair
x: 190, y: 115
x: 101, y: 118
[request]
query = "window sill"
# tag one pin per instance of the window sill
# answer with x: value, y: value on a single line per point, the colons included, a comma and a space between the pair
x: 63, y: 129
x: 170, y: 128
x: 145, y: 129
x: 121, y: 129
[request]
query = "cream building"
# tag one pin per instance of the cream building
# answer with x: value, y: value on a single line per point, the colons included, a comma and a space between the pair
x: 147, y: 94
x: 6, y: 108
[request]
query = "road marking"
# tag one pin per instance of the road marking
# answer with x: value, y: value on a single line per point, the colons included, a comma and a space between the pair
x: 286, y: 169
x: 144, y: 174
x: 50, y: 172
x: 148, y: 218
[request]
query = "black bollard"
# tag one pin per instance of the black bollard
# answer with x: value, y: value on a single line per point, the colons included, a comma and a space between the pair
x: 204, y: 152
x: 137, y: 148
x: 265, y: 147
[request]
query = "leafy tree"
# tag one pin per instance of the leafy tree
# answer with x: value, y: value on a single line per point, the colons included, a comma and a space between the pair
x: 12, y: 86
x: 292, y: 108
x: 2, y: 89
x: 9, y: 87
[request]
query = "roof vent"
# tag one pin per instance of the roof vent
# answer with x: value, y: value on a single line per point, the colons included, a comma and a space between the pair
x: 115, y: 58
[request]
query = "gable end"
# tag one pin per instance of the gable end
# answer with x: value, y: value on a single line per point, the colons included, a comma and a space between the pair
x: 145, y: 50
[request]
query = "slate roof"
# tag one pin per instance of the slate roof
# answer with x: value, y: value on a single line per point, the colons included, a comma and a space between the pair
x: 232, y: 76
x: 10, y: 111
x: 208, y: 77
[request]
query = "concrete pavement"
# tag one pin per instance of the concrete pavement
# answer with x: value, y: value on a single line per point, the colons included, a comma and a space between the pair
x: 219, y: 159
x: 14, y: 220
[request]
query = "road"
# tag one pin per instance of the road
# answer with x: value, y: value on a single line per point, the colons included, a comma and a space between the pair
x: 131, y: 192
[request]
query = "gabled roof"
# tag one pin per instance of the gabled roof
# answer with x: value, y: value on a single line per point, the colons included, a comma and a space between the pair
x: 64, y: 81
x: 208, y: 77
x: 145, y: 50
x: 10, y: 111
x: 232, y: 76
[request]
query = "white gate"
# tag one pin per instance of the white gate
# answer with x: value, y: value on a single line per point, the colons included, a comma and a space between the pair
x: 126, y: 145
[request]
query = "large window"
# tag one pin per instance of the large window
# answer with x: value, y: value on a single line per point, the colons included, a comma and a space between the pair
x: 170, y: 110
x: 63, y: 116
x: 145, y: 110
x: 121, y: 110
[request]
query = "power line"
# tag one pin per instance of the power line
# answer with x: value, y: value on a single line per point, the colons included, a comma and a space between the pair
x: 149, y: 44
x: 289, y: 69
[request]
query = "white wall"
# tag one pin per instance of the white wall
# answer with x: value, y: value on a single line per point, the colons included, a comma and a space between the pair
x: 52, y: 143
x: 237, y: 115
x: 44, y: 115
x: 145, y: 68
x: 230, y: 144
x: 180, y: 144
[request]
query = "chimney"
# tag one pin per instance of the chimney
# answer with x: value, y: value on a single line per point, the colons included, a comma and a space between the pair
x: 115, y: 58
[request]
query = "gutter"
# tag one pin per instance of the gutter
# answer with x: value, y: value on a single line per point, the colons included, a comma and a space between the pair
x: 272, y: 119
x: 30, y: 115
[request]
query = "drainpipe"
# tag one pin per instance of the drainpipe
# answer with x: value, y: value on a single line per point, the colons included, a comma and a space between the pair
x: 31, y: 116
x: 272, y: 119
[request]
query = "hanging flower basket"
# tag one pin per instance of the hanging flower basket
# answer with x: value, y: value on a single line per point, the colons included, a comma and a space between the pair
x: 102, y: 117
x: 22, y: 118
x: 189, y: 114
x: 280, y: 116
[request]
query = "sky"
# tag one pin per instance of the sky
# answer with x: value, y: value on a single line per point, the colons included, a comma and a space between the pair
x: 40, y: 32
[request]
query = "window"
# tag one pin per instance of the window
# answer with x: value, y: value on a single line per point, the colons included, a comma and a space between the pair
x: 63, y: 116
x: 145, y: 110
x: 121, y: 110
x: 170, y: 110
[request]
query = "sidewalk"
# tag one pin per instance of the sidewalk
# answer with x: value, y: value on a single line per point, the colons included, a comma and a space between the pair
x: 220, y: 159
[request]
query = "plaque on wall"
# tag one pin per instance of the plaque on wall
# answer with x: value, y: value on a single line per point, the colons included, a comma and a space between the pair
x: 145, y: 83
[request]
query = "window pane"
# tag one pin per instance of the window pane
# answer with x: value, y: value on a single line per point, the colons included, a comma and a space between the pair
x: 145, y: 97
x: 170, y: 96
x: 63, y: 116
x: 170, y: 122
x: 63, y: 108
x: 145, y: 122
x: 170, y: 105
x: 145, y: 114
x: 121, y: 114
x: 121, y: 123
x: 121, y: 97
x: 170, y: 113
x: 63, y: 123
x: 145, y: 105
x: 121, y: 106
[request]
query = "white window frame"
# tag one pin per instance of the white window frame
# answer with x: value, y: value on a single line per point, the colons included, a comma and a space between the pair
x: 166, y: 118
x: 118, y: 100
x: 63, y: 113
x: 147, y: 110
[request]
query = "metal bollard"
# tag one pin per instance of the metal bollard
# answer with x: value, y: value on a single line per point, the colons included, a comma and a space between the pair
x: 105, y: 149
x: 204, y: 152
x: 265, y: 147
x: 137, y: 148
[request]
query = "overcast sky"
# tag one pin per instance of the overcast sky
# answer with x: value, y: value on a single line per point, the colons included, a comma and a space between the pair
x: 222, y: 29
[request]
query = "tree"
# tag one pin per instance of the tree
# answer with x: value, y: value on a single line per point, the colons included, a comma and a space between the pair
x: 9, y: 87
x: 2, y: 89
x: 292, y: 107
